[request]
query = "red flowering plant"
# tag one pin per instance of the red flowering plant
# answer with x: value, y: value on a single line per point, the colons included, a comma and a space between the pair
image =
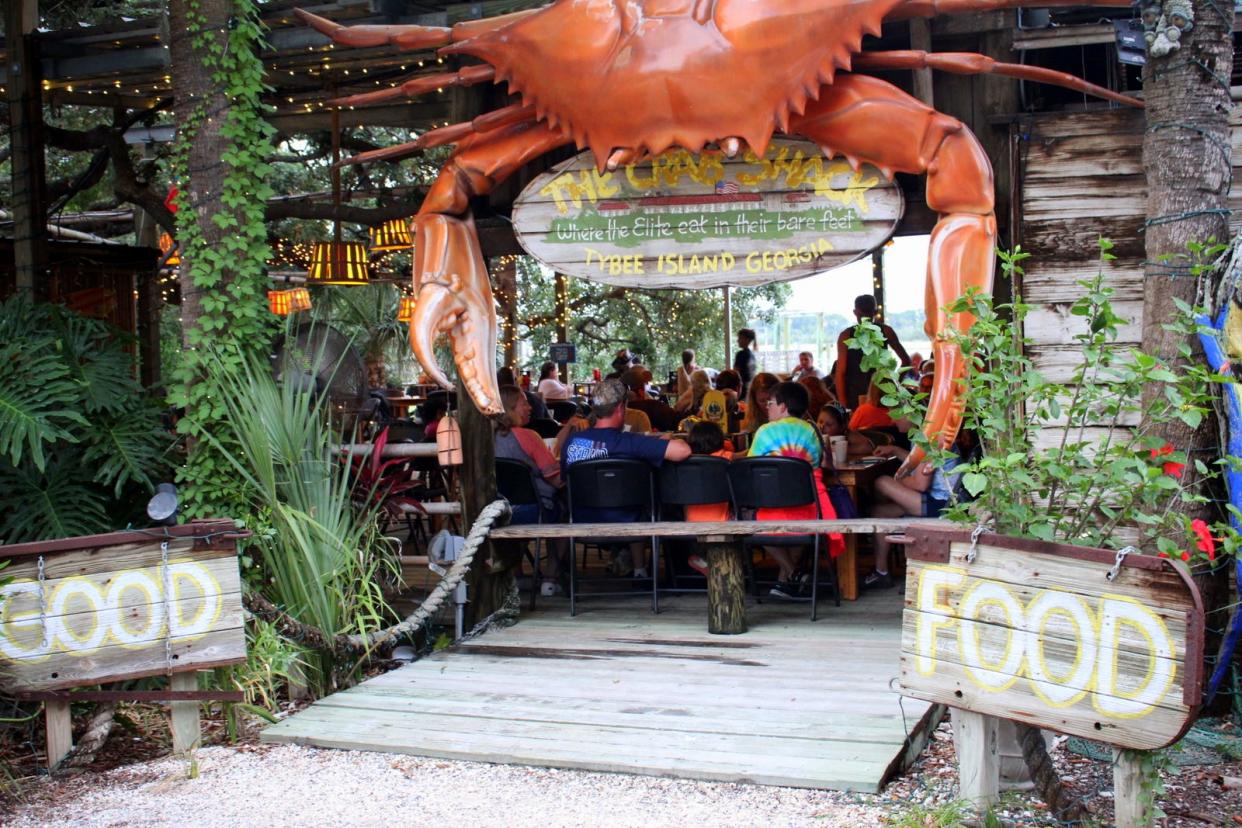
x: 1074, y: 458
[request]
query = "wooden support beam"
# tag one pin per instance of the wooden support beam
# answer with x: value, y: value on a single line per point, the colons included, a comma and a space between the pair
x: 186, y: 735
x: 59, y: 728
x: 150, y: 301
x: 726, y: 586
x: 24, y: 94
x: 1128, y: 810
x: 562, y: 318
x: 920, y: 40
x: 978, y: 758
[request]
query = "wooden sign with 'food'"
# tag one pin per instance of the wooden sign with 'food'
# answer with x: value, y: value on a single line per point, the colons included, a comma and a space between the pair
x: 128, y: 604
x: 1037, y: 632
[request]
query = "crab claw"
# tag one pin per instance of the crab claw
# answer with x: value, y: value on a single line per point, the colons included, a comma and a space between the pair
x: 455, y: 297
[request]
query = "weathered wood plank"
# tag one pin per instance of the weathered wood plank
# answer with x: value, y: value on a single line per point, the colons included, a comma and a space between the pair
x: 732, y: 528
x: 978, y: 758
x: 186, y: 732
x: 222, y: 646
x: 620, y: 691
x: 58, y: 727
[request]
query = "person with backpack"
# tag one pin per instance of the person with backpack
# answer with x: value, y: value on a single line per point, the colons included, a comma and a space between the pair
x: 925, y: 492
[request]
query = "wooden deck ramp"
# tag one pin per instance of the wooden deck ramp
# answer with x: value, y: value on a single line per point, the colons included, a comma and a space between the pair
x: 618, y: 689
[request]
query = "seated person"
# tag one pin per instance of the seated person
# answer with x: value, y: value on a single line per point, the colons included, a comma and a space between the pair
x: 924, y: 492
x: 689, y: 401
x: 832, y: 423
x: 603, y: 438
x: 551, y: 388
x: 706, y: 439
x: 872, y: 413
x: 431, y: 412
x: 514, y: 441
x: 538, y: 409
x: 788, y: 434
x: 660, y: 415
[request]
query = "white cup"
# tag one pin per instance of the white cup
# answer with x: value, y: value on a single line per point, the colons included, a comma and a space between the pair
x: 840, y: 448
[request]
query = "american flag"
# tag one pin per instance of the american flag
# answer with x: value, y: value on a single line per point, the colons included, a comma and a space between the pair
x: 726, y: 188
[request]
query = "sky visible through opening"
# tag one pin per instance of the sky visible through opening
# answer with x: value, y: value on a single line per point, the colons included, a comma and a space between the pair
x: 821, y: 305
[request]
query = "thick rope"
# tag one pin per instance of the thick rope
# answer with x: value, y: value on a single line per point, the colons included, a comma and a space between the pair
x: 431, y: 604
x: 356, y: 644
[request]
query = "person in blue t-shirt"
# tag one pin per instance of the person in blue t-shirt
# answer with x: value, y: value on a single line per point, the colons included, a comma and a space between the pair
x: 604, y: 438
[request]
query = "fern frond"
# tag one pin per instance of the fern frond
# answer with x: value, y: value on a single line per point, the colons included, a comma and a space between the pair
x: 130, y: 448
x: 38, y: 399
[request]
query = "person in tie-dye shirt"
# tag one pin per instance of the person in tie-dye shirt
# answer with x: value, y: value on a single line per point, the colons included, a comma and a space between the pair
x: 788, y: 434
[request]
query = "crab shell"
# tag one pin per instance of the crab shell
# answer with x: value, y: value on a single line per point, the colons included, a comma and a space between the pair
x: 651, y: 74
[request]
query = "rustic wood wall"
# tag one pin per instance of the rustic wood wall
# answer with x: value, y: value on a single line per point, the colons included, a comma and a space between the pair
x: 1082, y: 179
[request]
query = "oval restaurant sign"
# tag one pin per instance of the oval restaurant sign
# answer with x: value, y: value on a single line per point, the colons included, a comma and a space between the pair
x: 686, y: 221
x: 1038, y: 632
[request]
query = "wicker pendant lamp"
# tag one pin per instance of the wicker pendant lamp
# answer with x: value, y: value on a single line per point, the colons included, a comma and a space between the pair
x: 393, y: 234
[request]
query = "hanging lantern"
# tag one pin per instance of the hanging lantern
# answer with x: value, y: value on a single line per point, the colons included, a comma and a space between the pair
x: 299, y: 299
x: 339, y: 263
x: 448, y: 441
x: 393, y: 234
x: 285, y: 302
x: 169, y: 249
x: 405, y: 311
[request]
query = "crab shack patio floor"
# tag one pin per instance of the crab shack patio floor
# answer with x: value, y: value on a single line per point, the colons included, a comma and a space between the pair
x: 617, y: 688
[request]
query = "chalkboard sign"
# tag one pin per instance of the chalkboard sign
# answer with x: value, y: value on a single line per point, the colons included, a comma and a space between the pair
x: 564, y: 352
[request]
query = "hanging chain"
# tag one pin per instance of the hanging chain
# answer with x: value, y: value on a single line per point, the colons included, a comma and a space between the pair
x: 1121, y: 556
x: 168, y: 618
x: 974, y: 542
x: 43, y: 606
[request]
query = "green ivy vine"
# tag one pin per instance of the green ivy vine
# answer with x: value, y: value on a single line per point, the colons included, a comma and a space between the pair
x: 229, y: 274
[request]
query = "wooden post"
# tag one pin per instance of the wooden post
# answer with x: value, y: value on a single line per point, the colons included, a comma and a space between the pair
x: 920, y: 40
x: 491, y: 575
x: 728, y: 325
x: 150, y: 299
x: 24, y: 95
x: 978, y: 757
x: 186, y: 734
x: 562, y: 319
x: 59, y: 727
x: 726, y: 586
x: 1128, y: 808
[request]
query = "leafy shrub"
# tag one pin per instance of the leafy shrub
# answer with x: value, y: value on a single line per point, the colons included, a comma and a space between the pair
x: 1105, y: 480
x: 81, y: 442
x: 315, y: 554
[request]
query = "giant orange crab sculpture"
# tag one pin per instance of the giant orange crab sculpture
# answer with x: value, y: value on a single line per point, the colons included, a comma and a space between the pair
x: 630, y: 78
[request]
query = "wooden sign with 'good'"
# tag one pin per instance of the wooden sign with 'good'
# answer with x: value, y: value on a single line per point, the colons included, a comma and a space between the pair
x: 118, y: 606
x: 686, y: 221
x: 1038, y: 633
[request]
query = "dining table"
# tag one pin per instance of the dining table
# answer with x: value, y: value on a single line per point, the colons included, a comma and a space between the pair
x: 858, y: 476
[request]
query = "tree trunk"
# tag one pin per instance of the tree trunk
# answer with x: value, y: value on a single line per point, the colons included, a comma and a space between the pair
x: 202, y: 188
x: 1187, y: 159
x: 726, y: 587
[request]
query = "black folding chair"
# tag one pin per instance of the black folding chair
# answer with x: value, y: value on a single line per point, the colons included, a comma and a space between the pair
x: 696, y: 481
x: 562, y: 410
x: 781, y: 483
x: 544, y: 427
x: 515, y: 482
x: 612, y: 484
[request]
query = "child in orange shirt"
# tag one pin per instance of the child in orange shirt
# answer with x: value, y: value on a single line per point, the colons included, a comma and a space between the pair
x: 706, y: 438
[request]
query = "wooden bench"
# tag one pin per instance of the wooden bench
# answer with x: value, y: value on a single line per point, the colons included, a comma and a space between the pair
x: 726, y: 589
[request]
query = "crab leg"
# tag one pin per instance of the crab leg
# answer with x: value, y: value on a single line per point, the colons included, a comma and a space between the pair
x: 969, y: 63
x: 868, y: 120
x: 405, y: 37
x: 421, y: 85
x: 450, y: 276
x: 486, y: 122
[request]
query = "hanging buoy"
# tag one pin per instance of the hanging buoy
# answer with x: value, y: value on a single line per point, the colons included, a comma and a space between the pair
x: 448, y: 441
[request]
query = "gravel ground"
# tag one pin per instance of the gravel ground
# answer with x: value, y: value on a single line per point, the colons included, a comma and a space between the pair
x: 251, y: 784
